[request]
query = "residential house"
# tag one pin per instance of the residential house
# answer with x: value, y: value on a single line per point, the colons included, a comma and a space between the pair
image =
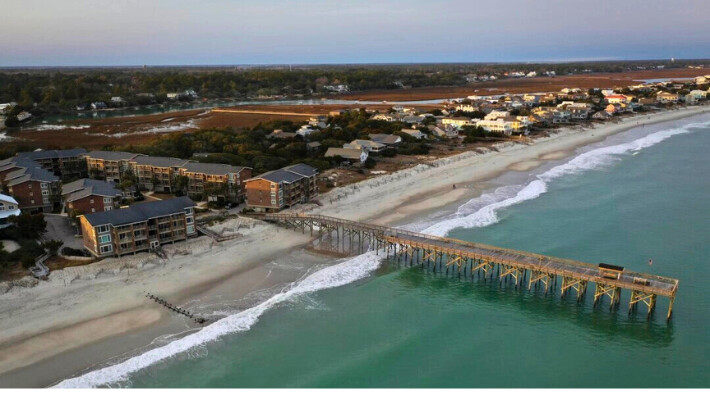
x: 690, y: 99
x: 495, y: 114
x: 140, y: 227
x: 370, y: 145
x: 457, y: 122
x: 86, y: 196
x: 387, y: 140
x: 497, y: 126
x: 23, y: 116
x: 285, y: 187
x: 617, y: 99
x: 98, y: 105
x: 9, y: 207
x: 348, y: 154
x: 219, y: 182
x: 313, y: 146
x: 698, y: 94
x: 666, y: 98
x: 443, y: 132
x: 415, y: 133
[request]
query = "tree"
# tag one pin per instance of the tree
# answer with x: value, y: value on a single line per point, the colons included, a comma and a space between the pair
x: 181, y: 183
x: 52, y: 246
x: 29, y: 226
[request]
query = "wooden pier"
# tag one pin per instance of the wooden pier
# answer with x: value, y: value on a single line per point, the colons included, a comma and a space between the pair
x: 487, y: 262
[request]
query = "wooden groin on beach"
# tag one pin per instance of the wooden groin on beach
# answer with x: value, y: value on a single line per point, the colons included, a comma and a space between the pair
x: 176, y: 309
x: 470, y: 259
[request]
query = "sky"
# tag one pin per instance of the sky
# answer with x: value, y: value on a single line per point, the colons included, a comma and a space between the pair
x: 222, y: 32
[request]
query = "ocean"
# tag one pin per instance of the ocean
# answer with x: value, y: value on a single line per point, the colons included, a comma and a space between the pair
x: 363, y: 322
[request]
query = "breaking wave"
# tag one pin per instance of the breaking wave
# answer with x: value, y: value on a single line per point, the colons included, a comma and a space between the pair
x: 338, y: 275
x: 482, y: 211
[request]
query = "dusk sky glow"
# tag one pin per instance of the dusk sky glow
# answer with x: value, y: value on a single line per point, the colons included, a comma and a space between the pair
x: 181, y: 32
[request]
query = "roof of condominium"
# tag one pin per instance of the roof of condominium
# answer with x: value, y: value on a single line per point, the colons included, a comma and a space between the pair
x: 162, y: 162
x: 140, y: 212
x: 289, y: 174
x: 86, y: 187
x: 212, y: 169
x: 111, y: 155
x: 29, y: 174
x: 45, y: 154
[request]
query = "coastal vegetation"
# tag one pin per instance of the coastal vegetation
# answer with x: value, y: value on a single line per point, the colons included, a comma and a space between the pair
x: 54, y: 90
x: 255, y: 147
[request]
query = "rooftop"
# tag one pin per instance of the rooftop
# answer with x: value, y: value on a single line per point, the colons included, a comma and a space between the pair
x: 140, y: 212
x: 212, y: 169
x: 111, y: 155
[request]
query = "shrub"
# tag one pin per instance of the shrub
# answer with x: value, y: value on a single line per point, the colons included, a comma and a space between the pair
x: 68, y: 251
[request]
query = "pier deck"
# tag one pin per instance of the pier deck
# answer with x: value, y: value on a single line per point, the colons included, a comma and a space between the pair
x: 468, y: 257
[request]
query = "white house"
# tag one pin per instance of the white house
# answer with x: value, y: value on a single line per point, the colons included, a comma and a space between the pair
x: 495, y: 114
x: 498, y: 126
x: 8, y: 207
x: 698, y: 94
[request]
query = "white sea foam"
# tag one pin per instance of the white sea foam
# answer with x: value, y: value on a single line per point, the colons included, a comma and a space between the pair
x: 482, y: 211
x: 330, y: 277
x: 478, y: 212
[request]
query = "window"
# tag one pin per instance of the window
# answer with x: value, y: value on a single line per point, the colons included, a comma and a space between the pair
x: 91, y: 201
x: 108, y: 208
x: 106, y: 249
x: 93, y: 210
x: 104, y: 239
x: 190, y: 229
x: 2, y: 207
x: 45, y: 193
x: 43, y: 185
x: 189, y: 220
x: 273, y: 202
x: 188, y: 211
x: 32, y: 194
x: 102, y: 229
x: 32, y: 201
x: 108, y: 200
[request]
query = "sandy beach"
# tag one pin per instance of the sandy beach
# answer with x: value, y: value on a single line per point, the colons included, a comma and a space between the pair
x: 83, y: 316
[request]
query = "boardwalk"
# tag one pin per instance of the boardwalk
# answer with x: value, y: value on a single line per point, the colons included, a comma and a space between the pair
x: 474, y: 258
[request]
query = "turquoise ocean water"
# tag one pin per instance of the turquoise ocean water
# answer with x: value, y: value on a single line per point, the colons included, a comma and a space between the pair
x: 639, y: 195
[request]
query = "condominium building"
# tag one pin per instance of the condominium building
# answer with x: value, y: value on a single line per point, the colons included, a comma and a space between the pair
x: 34, y: 188
x: 108, y: 165
x: 216, y: 182
x: 86, y: 196
x: 138, y: 228
x: 285, y: 187
x: 156, y: 173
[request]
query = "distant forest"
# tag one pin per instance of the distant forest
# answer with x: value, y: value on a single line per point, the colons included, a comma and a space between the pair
x: 52, y: 90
